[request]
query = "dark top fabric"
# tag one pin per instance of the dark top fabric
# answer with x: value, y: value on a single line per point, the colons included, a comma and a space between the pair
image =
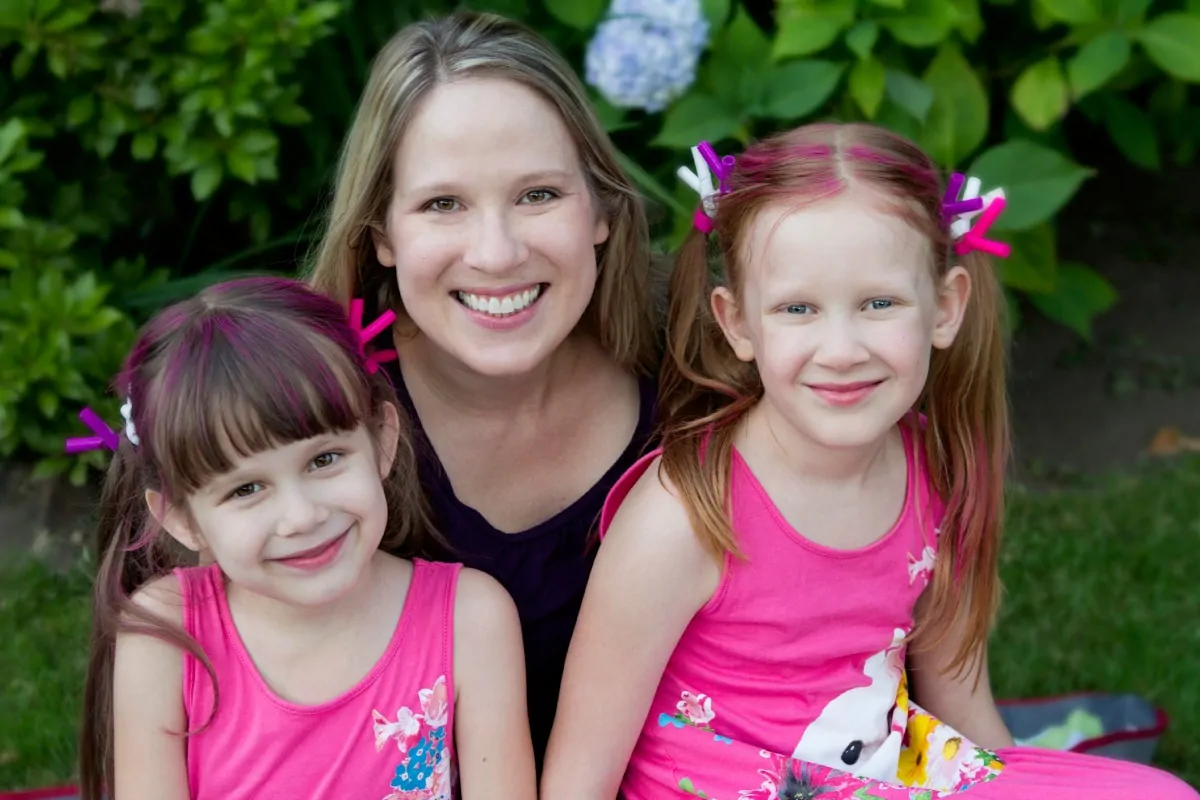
x: 545, y: 568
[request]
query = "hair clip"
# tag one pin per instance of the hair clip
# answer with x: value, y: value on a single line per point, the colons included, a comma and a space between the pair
x: 381, y: 323
x: 974, y: 239
x: 105, y: 436
x: 130, y: 430
x: 701, y: 182
x: 959, y: 219
x: 953, y: 207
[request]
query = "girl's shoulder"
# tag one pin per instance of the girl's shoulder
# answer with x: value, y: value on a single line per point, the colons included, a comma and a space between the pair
x: 163, y: 597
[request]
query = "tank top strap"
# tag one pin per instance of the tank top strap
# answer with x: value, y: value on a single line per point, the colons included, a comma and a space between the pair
x: 623, y: 486
x: 429, y: 611
x: 202, y: 591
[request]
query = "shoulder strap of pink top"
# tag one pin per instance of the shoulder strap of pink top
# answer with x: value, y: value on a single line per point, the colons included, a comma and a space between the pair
x: 620, y: 489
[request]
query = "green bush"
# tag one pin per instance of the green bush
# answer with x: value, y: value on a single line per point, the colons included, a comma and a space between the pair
x: 149, y: 147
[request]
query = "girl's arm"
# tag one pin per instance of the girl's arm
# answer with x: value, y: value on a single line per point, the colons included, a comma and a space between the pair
x: 491, y: 721
x: 148, y: 718
x: 963, y: 701
x: 650, y: 578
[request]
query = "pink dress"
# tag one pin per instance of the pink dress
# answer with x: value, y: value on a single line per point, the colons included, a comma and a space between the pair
x: 789, y: 683
x: 390, y: 737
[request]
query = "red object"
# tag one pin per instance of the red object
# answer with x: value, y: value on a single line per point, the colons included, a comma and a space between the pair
x: 53, y: 793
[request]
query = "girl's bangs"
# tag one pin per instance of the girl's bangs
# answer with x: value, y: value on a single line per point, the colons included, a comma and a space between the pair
x: 262, y: 387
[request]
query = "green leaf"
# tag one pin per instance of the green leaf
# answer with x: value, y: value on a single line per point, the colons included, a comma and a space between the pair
x: 924, y: 23
x: 805, y: 33
x: 241, y: 165
x: 80, y: 110
x: 11, y: 132
x: 1129, y: 10
x: 1037, y: 181
x: 1173, y: 42
x: 867, y: 82
x: 70, y: 18
x: 1132, y: 131
x: 206, y: 179
x: 742, y: 44
x: 257, y: 142
x: 896, y: 4
x: 716, y: 11
x: 1074, y: 12
x: 909, y: 93
x: 1097, y: 62
x: 1079, y: 296
x: 861, y: 38
x: 1040, y: 94
x: 144, y: 144
x: 579, y: 14
x: 970, y: 20
x: 11, y: 218
x: 1032, y: 266
x: 958, y: 117
x: 696, y: 117
x: 798, y: 88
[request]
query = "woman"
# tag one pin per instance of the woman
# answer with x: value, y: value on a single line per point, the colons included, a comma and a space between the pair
x: 479, y: 198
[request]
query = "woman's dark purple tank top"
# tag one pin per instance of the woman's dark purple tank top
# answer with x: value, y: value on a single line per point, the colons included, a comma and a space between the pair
x: 545, y: 568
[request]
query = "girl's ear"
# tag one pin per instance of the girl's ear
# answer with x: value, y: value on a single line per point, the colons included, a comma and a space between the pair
x: 953, y: 297
x: 173, y: 520
x: 388, y: 437
x: 728, y: 314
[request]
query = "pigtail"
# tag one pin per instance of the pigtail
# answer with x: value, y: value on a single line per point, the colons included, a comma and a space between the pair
x: 967, y: 438
x: 129, y: 559
x: 704, y: 389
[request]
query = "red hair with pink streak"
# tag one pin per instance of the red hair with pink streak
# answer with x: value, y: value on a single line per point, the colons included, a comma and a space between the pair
x: 705, y: 389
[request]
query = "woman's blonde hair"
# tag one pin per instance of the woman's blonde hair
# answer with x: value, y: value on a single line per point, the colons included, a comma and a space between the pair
x: 425, y: 55
x: 705, y: 390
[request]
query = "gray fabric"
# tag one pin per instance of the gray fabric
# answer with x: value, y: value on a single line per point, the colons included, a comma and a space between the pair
x: 1080, y: 723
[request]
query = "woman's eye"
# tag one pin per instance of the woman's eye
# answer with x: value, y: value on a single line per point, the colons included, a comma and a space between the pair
x: 325, y: 460
x: 442, y: 204
x: 796, y: 308
x: 880, y: 304
x: 536, y: 196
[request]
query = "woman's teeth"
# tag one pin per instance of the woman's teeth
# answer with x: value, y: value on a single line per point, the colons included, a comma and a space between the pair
x: 500, y: 306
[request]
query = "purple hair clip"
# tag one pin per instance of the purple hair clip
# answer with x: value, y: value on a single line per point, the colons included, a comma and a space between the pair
x: 707, y: 166
x: 105, y: 436
x: 953, y: 207
x: 381, y: 323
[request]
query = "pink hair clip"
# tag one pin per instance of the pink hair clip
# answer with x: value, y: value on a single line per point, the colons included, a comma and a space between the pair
x: 721, y: 167
x: 105, y: 436
x: 381, y: 323
x: 974, y: 239
x: 707, y: 166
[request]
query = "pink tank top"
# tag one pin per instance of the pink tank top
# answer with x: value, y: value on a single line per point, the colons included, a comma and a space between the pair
x: 390, y: 736
x: 800, y: 651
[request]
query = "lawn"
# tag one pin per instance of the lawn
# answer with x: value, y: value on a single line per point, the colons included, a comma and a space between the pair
x: 1101, y: 595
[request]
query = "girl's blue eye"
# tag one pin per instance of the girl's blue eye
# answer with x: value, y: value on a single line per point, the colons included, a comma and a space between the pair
x: 796, y: 308
x: 880, y: 304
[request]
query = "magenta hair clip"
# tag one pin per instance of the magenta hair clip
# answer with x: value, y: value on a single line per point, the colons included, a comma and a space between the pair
x: 105, y: 436
x: 722, y: 167
x: 974, y: 238
x: 365, y: 335
x: 951, y: 205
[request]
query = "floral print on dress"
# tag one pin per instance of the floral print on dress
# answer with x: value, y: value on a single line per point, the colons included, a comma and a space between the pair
x: 425, y: 771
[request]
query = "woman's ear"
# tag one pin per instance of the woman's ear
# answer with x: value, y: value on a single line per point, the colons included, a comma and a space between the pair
x: 173, y: 520
x: 388, y: 437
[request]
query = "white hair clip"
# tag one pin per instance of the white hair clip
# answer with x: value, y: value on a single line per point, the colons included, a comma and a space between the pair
x: 701, y: 182
x: 130, y: 430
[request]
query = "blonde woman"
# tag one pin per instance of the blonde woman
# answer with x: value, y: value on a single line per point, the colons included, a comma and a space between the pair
x: 479, y: 198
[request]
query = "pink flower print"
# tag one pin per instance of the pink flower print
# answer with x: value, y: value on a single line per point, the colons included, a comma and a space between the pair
x: 696, y: 709
x: 404, y: 730
x: 921, y: 567
x: 434, y: 703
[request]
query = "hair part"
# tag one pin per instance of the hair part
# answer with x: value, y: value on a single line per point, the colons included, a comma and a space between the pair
x: 245, y: 366
x: 705, y: 391
x: 422, y: 56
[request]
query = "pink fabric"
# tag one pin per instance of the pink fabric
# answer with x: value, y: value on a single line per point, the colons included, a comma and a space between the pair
x: 390, y: 736
x: 790, y: 681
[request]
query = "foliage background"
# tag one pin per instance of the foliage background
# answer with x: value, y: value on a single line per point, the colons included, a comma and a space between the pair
x: 149, y: 147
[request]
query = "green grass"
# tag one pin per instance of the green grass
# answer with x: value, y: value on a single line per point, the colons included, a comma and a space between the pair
x: 1101, y: 595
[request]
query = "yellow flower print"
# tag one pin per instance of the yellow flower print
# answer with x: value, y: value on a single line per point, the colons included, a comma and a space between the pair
x: 914, y: 757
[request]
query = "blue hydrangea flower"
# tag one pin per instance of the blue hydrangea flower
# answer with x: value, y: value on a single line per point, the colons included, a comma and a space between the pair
x: 645, y: 52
